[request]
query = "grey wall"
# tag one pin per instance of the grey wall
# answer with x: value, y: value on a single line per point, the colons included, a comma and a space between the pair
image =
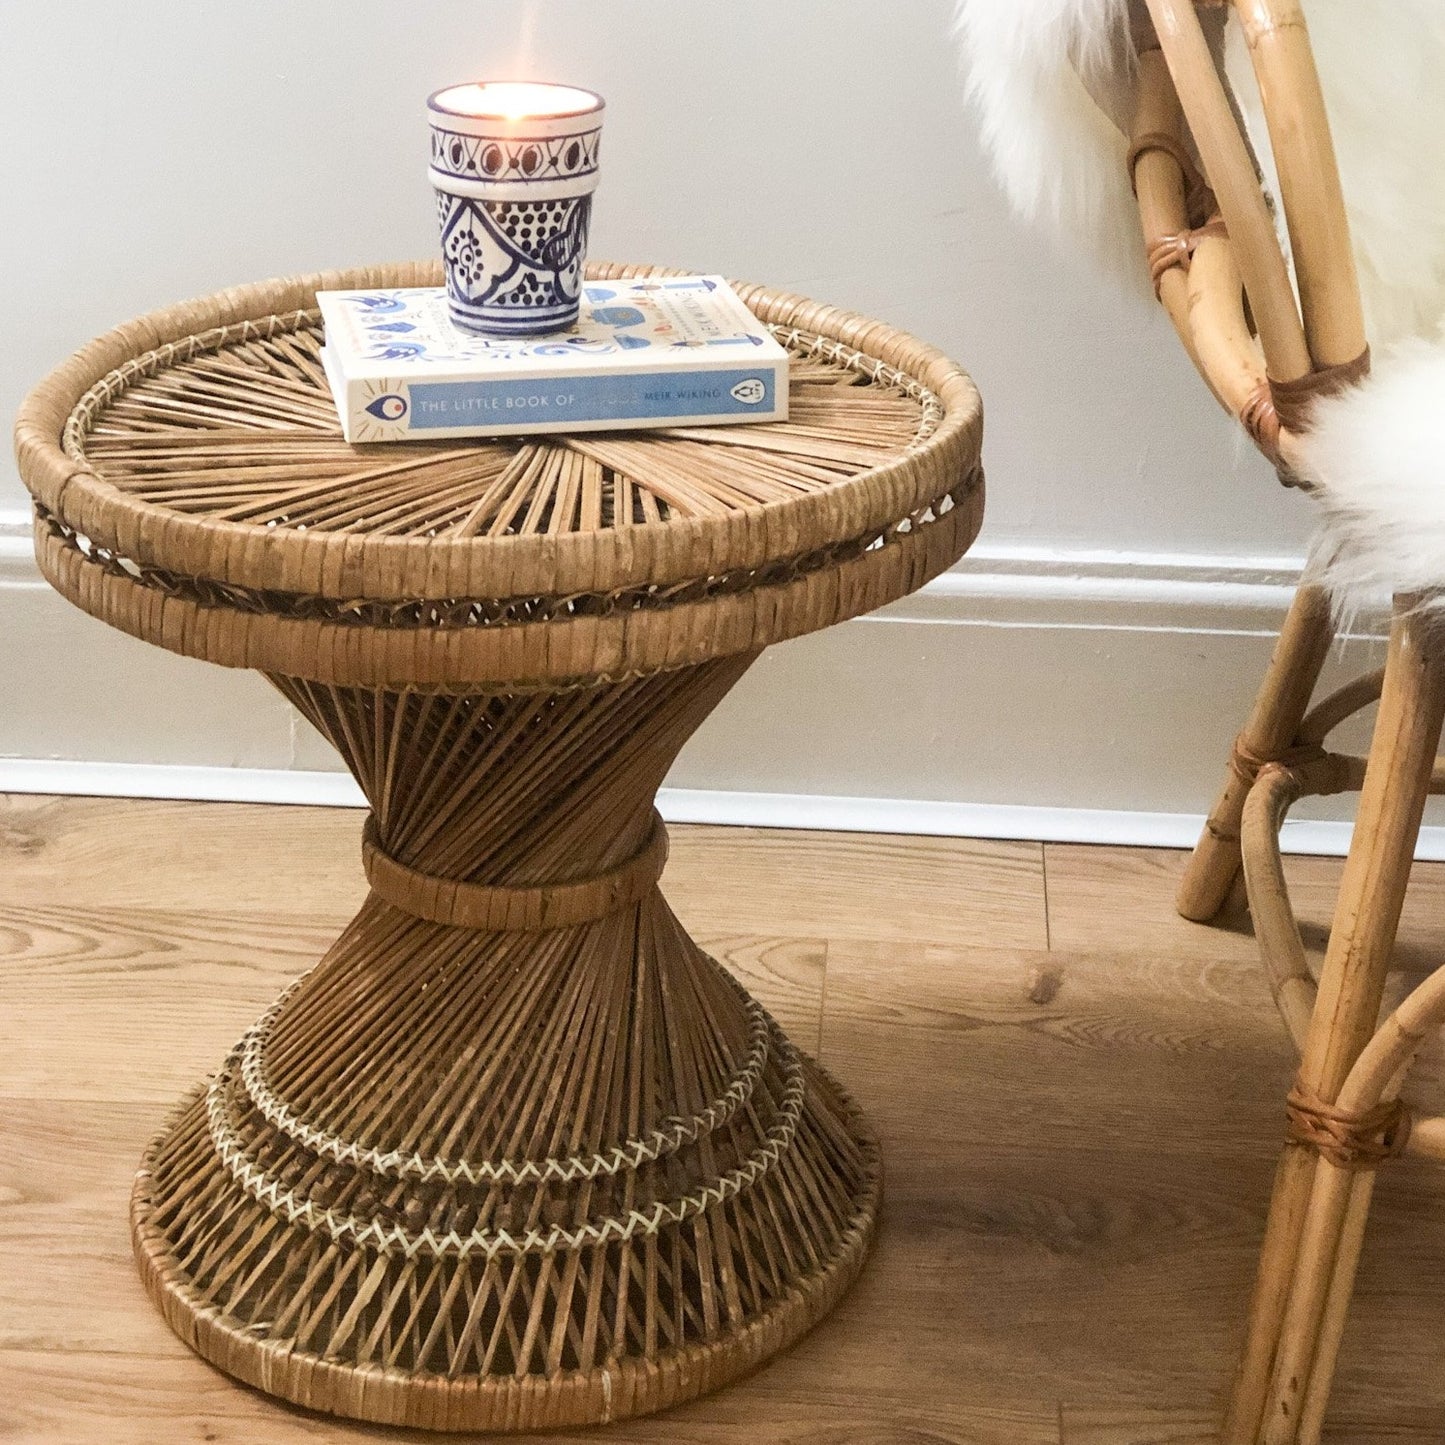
x: 157, y: 149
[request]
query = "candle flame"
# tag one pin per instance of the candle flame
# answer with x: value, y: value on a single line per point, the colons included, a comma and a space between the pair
x: 516, y: 100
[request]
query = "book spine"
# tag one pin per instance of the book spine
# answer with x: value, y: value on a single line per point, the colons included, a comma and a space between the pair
x: 500, y: 406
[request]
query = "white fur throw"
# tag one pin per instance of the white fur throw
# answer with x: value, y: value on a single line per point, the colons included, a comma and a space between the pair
x: 1048, y: 78
x: 1058, y: 153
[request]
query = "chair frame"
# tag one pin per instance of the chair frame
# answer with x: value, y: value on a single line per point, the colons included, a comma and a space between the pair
x: 1268, y: 352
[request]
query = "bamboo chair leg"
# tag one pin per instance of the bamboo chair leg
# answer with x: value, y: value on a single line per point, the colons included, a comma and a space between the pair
x: 1367, y: 915
x: 1336, y: 1305
x: 1283, y: 698
x: 1378, y: 1074
x: 1321, y: 1285
x: 1266, y: 1307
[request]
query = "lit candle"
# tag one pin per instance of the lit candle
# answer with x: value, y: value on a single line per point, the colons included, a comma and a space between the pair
x: 515, y: 100
x: 514, y: 165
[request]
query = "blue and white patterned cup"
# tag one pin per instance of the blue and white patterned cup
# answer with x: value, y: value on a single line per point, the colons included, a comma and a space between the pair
x: 514, y: 165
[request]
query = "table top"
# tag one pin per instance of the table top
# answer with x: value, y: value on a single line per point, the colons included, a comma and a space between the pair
x: 192, y: 487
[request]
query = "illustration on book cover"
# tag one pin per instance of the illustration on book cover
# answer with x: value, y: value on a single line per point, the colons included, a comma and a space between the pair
x: 413, y: 325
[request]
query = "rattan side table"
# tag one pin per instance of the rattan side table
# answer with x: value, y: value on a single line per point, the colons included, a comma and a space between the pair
x: 515, y: 1153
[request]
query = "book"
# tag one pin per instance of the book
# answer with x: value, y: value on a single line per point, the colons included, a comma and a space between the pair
x: 649, y: 352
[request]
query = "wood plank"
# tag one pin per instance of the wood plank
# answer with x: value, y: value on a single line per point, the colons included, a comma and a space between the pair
x: 143, y: 853
x: 1019, y: 1047
x: 1101, y: 1157
x: 786, y: 975
x: 67, y: 1280
x: 1115, y: 1426
x: 66, y: 1398
x: 858, y: 885
x: 127, y: 1004
x: 1121, y: 900
x: 51, y: 1398
x: 1036, y: 1182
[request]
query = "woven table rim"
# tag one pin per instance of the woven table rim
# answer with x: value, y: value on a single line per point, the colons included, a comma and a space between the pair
x: 345, y: 565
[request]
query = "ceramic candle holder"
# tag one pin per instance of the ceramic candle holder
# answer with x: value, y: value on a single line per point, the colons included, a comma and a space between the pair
x: 514, y: 165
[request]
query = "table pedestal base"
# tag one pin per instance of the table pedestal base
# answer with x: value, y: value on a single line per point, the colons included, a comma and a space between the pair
x: 516, y: 1154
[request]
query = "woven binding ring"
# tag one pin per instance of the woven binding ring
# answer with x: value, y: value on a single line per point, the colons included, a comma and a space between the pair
x: 1352, y: 1141
x: 248, y: 1061
x: 1246, y: 764
x: 500, y: 909
x: 1260, y: 419
x: 395, y: 1238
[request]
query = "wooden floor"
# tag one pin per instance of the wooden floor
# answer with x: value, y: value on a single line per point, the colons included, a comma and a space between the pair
x: 1079, y: 1097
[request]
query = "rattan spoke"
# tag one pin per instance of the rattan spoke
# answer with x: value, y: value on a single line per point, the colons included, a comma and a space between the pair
x: 238, y: 435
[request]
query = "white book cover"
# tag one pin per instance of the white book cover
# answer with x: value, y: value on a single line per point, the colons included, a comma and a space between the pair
x: 650, y: 352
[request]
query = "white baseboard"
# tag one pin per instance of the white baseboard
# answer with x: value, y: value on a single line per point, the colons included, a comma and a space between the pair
x: 697, y: 805
x: 1063, y: 696
x: 17, y: 561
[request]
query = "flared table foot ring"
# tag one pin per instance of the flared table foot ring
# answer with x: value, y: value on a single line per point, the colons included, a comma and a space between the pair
x: 352, y: 1377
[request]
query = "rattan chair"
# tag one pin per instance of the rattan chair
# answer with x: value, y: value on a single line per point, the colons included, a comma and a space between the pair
x: 1272, y: 318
